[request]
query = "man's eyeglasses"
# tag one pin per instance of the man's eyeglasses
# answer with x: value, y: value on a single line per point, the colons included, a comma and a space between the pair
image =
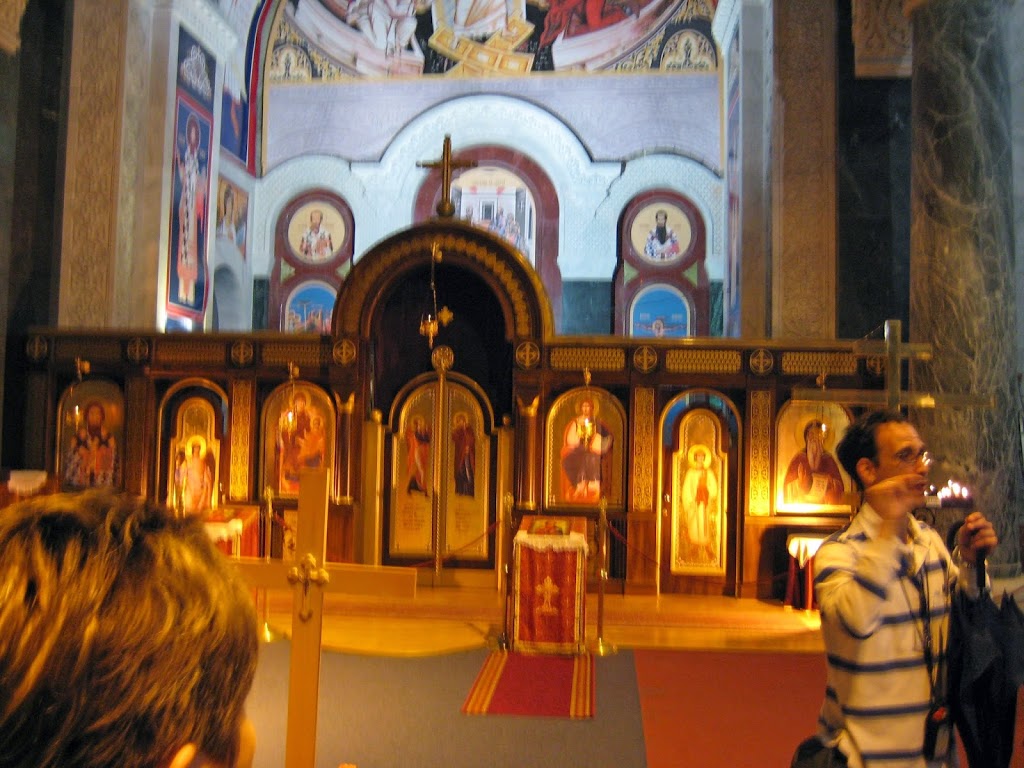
x: 910, y: 457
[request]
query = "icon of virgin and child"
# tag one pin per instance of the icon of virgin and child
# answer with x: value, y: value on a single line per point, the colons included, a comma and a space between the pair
x: 301, y: 441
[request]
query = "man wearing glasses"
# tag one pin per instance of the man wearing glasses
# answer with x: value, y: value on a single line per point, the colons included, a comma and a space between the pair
x: 883, y: 585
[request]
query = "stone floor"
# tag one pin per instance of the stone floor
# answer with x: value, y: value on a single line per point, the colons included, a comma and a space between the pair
x: 446, y: 619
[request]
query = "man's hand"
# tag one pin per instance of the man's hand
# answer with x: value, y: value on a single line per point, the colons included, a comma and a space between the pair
x: 976, y: 537
x: 896, y: 497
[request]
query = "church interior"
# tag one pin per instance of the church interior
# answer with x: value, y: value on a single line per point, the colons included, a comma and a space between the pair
x: 617, y: 270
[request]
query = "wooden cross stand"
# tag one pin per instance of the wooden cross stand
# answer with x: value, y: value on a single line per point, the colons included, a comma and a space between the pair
x: 893, y: 396
x: 309, y: 577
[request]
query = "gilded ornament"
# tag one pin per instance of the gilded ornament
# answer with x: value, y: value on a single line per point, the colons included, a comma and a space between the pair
x: 643, y: 467
x: 702, y: 361
x: 594, y: 358
x: 645, y: 359
x: 37, y: 348
x: 241, y: 353
x: 344, y: 352
x: 442, y: 358
x: 815, y: 363
x: 137, y: 350
x: 527, y: 355
x: 758, y: 481
x: 761, y: 361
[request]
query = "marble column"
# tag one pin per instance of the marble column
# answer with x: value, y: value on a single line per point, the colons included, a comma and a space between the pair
x: 1012, y: 35
x: 803, y: 274
x: 118, y: 174
x: 962, y: 273
x: 95, y: 158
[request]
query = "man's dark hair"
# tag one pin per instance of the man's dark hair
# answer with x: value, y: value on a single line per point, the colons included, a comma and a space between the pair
x: 859, y: 441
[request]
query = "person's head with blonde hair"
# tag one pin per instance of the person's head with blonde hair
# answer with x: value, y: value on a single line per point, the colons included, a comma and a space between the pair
x: 126, y: 638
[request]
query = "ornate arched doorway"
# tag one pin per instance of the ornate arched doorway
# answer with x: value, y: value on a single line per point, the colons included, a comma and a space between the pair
x: 420, y: 398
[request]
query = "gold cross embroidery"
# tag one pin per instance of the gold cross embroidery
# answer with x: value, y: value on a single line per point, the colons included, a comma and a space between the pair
x: 546, y: 591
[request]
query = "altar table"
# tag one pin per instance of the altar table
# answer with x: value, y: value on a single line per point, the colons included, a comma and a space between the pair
x: 549, y: 559
x: 235, y: 530
x: 802, y: 548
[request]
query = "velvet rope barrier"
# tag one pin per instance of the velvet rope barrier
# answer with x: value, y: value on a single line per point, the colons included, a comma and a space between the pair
x: 451, y: 556
x: 626, y: 544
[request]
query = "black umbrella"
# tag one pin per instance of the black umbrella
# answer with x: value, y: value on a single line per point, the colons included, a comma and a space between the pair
x: 986, y: 667
x: 1013, y: 632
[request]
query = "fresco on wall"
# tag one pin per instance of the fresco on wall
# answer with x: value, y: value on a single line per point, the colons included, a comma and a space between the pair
x: 388, y: 38
x: 500, y: 202
x: 345, y: 78
x: 234, y: 125
x: 232, y: 214
x: 316, y: 232
x: 661, y: 234
x: 309, y: 307
x: 188, y: 269
x: 659, y: 312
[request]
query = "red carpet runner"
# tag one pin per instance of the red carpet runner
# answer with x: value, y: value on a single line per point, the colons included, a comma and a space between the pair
x: 538, y: 686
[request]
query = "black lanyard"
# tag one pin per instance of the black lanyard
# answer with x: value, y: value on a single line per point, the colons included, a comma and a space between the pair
x: 924, y: 630
x: 920, y: 580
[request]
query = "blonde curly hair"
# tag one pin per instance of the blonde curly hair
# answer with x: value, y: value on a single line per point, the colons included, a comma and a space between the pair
x: 124, y: 635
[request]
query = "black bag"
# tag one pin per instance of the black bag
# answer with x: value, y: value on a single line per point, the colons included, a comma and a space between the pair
x: 812, y: 753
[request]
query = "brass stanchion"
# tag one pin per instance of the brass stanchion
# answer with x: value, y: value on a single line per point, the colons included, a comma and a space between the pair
x: 267, y: 632
x: 504, y: 641
x: 603, y: 647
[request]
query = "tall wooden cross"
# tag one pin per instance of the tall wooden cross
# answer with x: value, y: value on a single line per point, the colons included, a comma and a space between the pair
x: 893, y: 396
x: 309, y: 577
x: 446, y: 208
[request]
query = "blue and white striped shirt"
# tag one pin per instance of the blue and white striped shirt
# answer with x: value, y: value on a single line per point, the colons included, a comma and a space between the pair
x: 870, y: 592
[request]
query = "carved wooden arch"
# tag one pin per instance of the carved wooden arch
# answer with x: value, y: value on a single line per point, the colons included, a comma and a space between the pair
x: 516, y: 286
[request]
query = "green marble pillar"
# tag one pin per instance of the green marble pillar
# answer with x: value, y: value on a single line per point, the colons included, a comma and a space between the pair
x: 962, y: 293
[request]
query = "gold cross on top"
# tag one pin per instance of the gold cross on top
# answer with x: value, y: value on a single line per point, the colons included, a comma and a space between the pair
x: 446, y: 208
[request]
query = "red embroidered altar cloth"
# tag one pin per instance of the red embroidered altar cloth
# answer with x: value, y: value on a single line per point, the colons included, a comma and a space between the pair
x: 549, y: 556
x: 235, y: 530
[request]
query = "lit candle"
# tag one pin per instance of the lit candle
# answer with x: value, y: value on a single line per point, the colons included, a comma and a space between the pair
x: 954, y: 494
